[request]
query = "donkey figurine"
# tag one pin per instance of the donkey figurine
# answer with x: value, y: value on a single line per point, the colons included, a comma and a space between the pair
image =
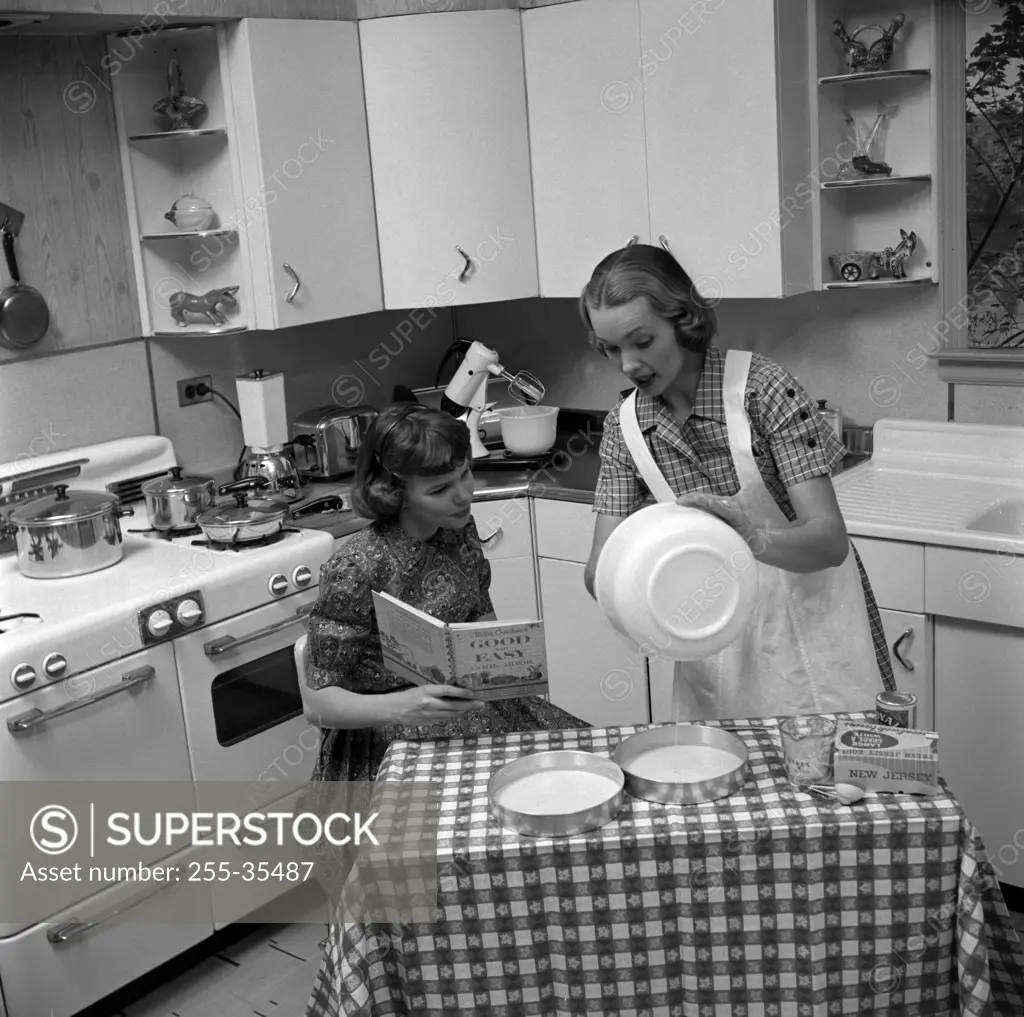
x: 892, y: 259
x: 182, y: 303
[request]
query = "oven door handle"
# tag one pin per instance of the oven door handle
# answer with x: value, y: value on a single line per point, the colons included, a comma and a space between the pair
x: 33, y: 718
x: 75, y: 927
x: 218, y: 646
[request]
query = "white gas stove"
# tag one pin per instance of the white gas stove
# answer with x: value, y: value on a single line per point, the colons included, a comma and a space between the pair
x: 159, y: 590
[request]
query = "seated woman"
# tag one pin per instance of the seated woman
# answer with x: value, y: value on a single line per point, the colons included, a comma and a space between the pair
x: 414, y: 480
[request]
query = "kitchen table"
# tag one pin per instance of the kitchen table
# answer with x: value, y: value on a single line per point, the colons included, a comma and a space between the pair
x: 769, y: 902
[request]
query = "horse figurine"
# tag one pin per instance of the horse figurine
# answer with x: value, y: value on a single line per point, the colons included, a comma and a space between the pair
x: 861, y: 57
x: 182, y: 303
x: 892, y: 259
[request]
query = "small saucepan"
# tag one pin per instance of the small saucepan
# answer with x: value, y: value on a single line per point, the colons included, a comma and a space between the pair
x: 24, y: 316
x: 174, y: 501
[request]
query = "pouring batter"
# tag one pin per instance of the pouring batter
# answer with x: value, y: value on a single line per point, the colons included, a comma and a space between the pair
x: 736, y: 435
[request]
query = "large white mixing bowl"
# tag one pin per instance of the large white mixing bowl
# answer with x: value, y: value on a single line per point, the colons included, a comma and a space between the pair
x: 678, y: 583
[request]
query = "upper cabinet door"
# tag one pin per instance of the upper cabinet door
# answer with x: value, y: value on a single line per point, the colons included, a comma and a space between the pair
x: 726, y: 104
x: 304, y: 163
x: 446, y: 108
x: 584, y: 85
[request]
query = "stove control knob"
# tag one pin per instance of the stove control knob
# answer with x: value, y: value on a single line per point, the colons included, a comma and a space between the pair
x: 54, y: 665
x: 278, y: 585
x: 159, y: 623
x: 302, y: 576
x: 188, y: 613
x: 23, y: 676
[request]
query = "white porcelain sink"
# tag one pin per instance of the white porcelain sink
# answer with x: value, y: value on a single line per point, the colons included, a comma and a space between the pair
x: 1006, y: 517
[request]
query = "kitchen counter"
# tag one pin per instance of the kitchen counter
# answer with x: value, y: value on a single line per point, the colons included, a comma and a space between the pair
x: 570, y: 475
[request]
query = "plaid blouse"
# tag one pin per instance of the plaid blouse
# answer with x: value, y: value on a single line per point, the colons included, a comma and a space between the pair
x: 789, y: 440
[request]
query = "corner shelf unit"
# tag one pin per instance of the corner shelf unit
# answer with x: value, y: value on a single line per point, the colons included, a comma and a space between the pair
x: 867, y: 213
x: 160, y: 165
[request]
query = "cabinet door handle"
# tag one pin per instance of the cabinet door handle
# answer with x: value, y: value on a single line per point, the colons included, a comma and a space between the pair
x: 491, y: 536
x: 469, y: 265
x: 634, y: 239
x: 906, y: 634
x: 75, y: 927
x: 33, y: 718
x: 663, y: 240
x: 298, y: 284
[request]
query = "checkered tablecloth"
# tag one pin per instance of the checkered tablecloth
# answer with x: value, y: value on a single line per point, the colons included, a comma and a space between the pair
x: 769, y: 902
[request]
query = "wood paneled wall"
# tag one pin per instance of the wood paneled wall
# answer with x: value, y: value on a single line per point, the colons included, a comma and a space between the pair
x: 59, y: 164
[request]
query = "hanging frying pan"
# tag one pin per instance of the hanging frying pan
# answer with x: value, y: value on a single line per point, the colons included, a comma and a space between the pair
x: 24, y: 316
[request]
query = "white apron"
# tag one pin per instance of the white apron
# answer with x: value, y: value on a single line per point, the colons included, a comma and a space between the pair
x: 808, y: 647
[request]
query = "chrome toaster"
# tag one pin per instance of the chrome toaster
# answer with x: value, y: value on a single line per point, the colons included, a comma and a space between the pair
x: 326, y: 440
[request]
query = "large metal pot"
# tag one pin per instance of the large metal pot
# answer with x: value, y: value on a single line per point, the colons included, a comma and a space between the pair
x: 174, y: 501
x: 243, y: 523
x: 68, y: 533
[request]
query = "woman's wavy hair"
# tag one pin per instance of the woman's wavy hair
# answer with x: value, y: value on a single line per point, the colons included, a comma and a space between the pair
x: 640, y: 270
x: 406, y: 440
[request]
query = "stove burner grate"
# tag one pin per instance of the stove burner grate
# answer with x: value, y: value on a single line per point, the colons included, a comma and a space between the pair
x: 168, y: 535
x: 245, y: 545
x: 24, y: 618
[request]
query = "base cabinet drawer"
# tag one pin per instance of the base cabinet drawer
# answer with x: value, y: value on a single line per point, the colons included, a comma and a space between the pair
x: 565, y: 530
x: 504, y: 527
x: 591, y: 671
x: 896, y: 572
x: 138, y: 927
x: 978, y: 586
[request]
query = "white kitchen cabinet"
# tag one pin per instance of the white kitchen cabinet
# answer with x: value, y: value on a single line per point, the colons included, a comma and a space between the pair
x: 979, y: 702
x: 726, y: 112
x: 280, y: 153
x: 910, y: 647
x: 504, y: 527
x: 446, y: 112
x: 585, y: 93
x: 303, y: 155
x: 565, y: 529
x: 513, y: 589
x: 591, y: 671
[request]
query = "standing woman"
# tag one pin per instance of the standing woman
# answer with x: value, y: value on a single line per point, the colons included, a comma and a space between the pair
x: 735, y: 434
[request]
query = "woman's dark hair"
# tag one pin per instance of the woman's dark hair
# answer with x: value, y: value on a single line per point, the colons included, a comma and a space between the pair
x: 406, y: 440
x: 640, y: 270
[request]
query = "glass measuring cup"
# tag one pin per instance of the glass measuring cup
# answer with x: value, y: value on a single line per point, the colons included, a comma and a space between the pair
x: 808, y: 743
x: 524, y: 388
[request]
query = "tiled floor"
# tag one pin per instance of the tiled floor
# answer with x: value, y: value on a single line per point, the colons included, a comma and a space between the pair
x: 269, y: 974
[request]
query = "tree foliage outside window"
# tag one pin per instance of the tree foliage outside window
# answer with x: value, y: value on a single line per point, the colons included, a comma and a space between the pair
x: 995, y: 167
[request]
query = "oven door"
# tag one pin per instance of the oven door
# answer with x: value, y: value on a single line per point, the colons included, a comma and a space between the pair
x: 241, y: 699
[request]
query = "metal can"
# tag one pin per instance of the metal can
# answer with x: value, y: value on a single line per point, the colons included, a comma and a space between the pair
x: 896, y: 709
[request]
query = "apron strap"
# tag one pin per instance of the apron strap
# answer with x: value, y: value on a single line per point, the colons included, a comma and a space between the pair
x: 734, y: 392
x: 642, y: 458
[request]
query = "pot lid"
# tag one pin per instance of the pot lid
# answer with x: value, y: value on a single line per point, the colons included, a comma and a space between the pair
x: 63, y: 506
x: 175, y: 482
x: 242, y: 514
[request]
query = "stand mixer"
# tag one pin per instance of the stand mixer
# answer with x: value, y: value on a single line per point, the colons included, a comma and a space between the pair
x: 468, y: 390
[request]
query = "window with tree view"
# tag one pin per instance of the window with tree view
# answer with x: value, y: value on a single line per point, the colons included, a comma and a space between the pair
x: 995, y: 166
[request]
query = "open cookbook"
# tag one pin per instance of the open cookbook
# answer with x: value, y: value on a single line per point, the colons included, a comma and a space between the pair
x: 497, y: 660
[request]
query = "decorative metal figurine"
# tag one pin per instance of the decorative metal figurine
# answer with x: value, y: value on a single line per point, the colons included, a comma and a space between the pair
x: 180, y: 108
x: 863, y: 57
x: 182, y: 303
x: 852, y: 265
x: 863, y: 162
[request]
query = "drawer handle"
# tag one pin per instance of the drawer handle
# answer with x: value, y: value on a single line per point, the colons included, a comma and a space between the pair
x: 469, y: 265
x: 634, y: 239
x: 75, y: 928
x: 663, y: 240
x: 33, y: 718
x: 492, y: 536
x: 216, y: 647
x: 295, y: 289
x: 906, y: 634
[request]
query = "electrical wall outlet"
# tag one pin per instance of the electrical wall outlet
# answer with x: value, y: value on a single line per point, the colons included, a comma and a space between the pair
x: 188, y: 390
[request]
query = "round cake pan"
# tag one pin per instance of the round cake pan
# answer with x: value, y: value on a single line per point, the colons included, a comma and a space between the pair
x: 675, y: 792
x: 542, y: 769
